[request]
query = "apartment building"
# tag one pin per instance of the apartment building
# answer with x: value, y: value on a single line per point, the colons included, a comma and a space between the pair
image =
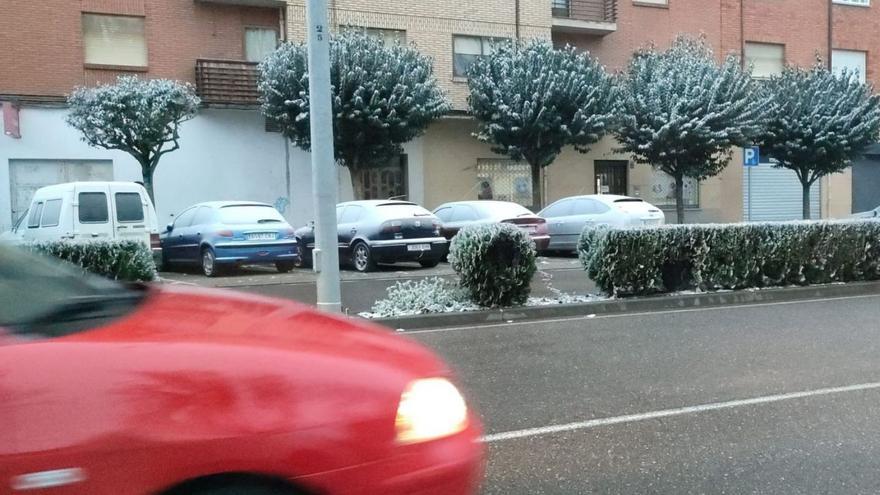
x: 228, y: 152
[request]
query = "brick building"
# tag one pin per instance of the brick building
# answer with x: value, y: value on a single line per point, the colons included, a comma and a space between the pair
x: 227, y: 153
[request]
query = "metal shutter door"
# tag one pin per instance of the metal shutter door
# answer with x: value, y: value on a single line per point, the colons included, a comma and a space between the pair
x: 775, y: 195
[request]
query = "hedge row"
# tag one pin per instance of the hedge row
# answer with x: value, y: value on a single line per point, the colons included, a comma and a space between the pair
x: 120, y: 260
x: 640, y: 261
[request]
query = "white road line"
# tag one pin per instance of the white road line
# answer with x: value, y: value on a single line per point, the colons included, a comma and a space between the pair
x: 641, y: 313
x: 665, y: 413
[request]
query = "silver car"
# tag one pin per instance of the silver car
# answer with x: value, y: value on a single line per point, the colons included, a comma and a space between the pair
x: 875, y: 213
x: 568, y: 217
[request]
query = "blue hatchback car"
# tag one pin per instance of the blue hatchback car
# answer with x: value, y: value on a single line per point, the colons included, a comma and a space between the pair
x: 222, y: 234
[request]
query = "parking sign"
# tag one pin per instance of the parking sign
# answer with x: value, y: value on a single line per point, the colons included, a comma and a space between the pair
x: 751, y: 156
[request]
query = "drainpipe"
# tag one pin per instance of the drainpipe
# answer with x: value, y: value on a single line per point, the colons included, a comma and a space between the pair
x: 830, y: 31
x: 516, y: 19
x: 742, y: 32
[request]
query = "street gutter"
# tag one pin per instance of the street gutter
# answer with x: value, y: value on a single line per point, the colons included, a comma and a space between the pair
x: 660, y: 302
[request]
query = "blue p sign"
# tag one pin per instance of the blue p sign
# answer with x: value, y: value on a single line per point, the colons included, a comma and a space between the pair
x: 751, y: 156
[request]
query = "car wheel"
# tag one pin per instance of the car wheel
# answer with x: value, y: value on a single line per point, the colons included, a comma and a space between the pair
x: 429, y: 263
x: 209, y: 263
x: 284, y: 266
x: 361, y: 258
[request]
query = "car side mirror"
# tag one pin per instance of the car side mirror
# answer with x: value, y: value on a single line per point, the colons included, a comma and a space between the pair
x: 169, y: 227
x: 312, y: 224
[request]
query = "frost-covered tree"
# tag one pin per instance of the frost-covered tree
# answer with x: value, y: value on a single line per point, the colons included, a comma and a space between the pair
x: 532, y: 100
x: 819, y: 123
x: 382, y: 97
x: 682, y: 111
x: 139, y: 117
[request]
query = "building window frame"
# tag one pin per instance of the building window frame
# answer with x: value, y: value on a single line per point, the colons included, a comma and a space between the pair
x: 746, y: 58
x: 94, y: 62
x: 244, y: 44
x: 486, y: 49
x: 853, y: 3
x: 389, y: 36
x: 862, y: 70
x: 652, y: 3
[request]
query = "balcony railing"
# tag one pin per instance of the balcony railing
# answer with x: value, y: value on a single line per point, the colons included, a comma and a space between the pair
x: 586, y: 10
x: 227, y: 82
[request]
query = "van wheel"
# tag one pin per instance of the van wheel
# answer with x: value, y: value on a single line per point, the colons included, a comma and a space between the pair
x: 209, y: 263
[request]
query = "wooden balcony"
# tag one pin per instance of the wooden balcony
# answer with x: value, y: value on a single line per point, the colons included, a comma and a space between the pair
x: 597, y: 17
x: 227, y: 82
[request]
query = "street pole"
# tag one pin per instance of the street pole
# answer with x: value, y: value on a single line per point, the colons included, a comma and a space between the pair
x: 325, y: 257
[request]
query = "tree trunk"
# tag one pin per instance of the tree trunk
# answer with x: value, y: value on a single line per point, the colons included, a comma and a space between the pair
x: 147, y: 173
x: 806, y: 198
x: 679, y: 198
x: 357, y: 184
x: 537, y: 201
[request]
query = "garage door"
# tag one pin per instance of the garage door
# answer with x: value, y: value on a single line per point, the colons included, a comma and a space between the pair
x: 775, y: 194
x: 26, y: 176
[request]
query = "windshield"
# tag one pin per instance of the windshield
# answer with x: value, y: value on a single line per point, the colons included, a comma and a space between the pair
x: 33, y: 288
x: 244, y: 214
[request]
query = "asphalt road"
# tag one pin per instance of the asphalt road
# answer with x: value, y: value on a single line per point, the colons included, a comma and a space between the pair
x: 774, y: 398
x: 361, y: 290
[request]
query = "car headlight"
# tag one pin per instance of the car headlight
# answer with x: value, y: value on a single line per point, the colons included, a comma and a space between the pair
x: 430, y: 408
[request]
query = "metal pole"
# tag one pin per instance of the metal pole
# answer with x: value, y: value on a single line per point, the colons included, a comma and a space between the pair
x: 324, y: 179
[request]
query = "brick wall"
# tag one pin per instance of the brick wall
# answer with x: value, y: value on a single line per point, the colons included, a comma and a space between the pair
x: 42, y: 51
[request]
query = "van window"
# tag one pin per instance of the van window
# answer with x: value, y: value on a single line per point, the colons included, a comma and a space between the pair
x: 34, y: 219
x: 51, y: 213
x: 93, y: 207
x: 129, y: 207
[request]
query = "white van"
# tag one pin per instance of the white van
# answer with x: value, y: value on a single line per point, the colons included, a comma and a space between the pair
x: 91, y: 211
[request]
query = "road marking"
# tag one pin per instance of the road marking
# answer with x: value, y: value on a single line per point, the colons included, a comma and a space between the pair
x: 641, y: 313
x: 665, y: 413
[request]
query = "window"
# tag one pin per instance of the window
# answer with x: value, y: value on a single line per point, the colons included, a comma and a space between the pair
x: 766, y: 59
x: 242, y: 214
x: 464, y: 213
x: 185, y: 219
x: 204, y: 216
x: 561, y: 209
x: 662, y: 192
x: 51, y: 213
x: 444, y: 214
x: 851, y: 61
x: 467, y: 49
x: 351, y: 214
x: 129, y: 207
x: 114, y: 40
x: 34, y: 218
x: 652, y: 2
x: 391, y: 37
x: 504, y: 180
x: 93, y: 207
x: 858, y: 3
x: 589, y: 207
x: 259, y: 43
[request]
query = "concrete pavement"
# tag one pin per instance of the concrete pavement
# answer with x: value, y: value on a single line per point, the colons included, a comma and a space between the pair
x: 783, y: 425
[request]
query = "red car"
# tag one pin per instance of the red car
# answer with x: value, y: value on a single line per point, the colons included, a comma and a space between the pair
x: 112, y: 389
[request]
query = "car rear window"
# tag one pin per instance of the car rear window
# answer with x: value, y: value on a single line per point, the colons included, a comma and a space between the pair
x: 241, y: 214
x: 629, y: 200
x: 503, y: 211
x: 51, y: 213
x: 402, y: 210
x: 129, y: 207
x: 93, y: 207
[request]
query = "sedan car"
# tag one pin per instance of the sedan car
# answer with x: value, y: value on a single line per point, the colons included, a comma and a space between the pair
x: 381, y: 231
x: 138, y: 389
x: 875, y: 213
x: 221, y: 234
x: 459, y: 214
x: 568, y: 217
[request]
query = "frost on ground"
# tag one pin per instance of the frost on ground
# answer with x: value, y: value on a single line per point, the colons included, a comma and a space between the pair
x: 438, y: 295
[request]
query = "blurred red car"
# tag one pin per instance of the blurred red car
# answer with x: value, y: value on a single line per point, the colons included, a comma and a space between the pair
x: 112, y: 389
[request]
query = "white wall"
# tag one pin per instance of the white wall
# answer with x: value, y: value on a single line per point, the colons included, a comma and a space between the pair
x: 223, y: 155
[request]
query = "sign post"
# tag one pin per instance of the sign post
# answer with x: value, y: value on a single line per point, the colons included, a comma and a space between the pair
x: 751, y: 158
x: 325, y: 256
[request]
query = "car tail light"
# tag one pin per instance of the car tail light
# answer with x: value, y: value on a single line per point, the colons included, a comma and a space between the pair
x: 225, y: 233
x: 541, y: 228
x: 154, y: 241
x: 392, y: 227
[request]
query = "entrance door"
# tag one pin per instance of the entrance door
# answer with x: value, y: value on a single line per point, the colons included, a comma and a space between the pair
x: 388, y: 182
x: 866, y: 181
x: 611, y: 176
x: 26, y: 176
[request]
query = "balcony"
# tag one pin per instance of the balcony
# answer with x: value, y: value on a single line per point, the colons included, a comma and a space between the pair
x: 249, y: 3
x: 597, y: 17
x: 227, y: 82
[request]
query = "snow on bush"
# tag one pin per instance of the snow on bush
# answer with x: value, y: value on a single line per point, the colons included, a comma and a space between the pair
x: 495, y: 263
x: 120, y: 260
x: 429, y: 295
x: 672, y: 258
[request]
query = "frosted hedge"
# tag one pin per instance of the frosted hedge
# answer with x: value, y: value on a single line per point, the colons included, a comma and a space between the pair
x: 120, y: 260
x: 641, y: 261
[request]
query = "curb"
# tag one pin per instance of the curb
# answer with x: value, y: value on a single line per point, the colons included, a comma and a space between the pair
x: 631, y: 305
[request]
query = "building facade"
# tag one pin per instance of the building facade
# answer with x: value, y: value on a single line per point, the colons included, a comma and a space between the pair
x: 228, y: 152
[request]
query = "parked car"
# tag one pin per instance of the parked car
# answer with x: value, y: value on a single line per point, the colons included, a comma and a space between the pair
x: 568, y: 217
x: 124, y: 390
x: 459, y: 214
x: 381, y: 231
x: 87, y: 211
x: 221, y: 234
x: 875, y: 213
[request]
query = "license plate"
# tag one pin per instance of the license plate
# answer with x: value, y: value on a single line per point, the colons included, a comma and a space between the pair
x: 530, y: 229
x: 263, y: 236
x: 418, y: 247
x: 651, y: 222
